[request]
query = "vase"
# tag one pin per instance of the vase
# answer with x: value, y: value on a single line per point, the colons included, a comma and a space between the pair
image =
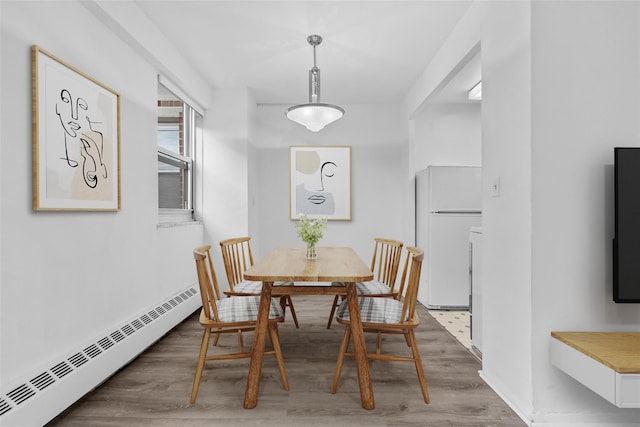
x: 311, y: 251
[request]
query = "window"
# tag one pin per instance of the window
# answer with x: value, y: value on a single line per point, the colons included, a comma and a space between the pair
x: 178, y: 127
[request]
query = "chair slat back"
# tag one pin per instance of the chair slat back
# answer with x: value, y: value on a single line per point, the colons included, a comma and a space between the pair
x: 237, y: 257
x: 410, y: 281
x: 386, y: 261
x: 209, y: 292
x: 210, y: 270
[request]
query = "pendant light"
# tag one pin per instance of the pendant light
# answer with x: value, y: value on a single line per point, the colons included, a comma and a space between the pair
x: 314, y: 115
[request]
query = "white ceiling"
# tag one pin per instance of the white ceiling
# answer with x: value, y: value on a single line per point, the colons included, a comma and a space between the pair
x: 373, y: 51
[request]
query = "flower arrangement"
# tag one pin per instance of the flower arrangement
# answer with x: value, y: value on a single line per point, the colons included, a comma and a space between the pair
x: 310, y: 232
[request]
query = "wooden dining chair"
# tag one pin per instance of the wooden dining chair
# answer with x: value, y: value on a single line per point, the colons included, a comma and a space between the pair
x: 389, y: 316
x: 211, y: 273
x: 237, y: 257
x: 234, y: 314
x: 384, y: 265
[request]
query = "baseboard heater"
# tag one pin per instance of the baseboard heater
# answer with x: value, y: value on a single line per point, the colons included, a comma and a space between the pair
x: 51, y: 390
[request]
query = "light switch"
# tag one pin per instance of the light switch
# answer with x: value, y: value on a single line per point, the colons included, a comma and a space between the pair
x: 495, y: 187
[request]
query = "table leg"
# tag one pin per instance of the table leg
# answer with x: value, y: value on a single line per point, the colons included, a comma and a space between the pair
x: 257, y: 353
x: 359, y: 348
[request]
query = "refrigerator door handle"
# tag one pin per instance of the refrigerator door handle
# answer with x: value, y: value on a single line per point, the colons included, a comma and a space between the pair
x: 457, y: 211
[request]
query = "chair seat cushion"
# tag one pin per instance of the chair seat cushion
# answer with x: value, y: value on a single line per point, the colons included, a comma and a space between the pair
x: 244, y: 308
x: 248, y: 287
x: 372, y: 287
x: 373, y: 310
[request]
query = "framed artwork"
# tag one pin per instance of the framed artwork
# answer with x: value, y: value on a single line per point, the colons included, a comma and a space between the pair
x: 76, y: 138
x: 320, y: 182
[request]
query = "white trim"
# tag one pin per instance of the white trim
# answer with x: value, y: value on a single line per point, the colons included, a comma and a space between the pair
x: 506, y: 400
x: 175, y: 215
x: 173, y: 154
x: 175, y: 89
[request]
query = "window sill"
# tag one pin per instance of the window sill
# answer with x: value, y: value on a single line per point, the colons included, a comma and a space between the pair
x: 177, y: 224
x: 175, y: 218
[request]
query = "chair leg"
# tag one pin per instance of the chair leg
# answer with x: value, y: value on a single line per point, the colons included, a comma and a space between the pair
x: 343, y: 349
x: 293, y: 310
x: 240, y: 341
x: 285, y: 301
x: 416, y: 358
x: 216, y: 338
x: 200, y: 367
x: 406, y: 339
x: 275, y: 342
x: 379, y: 343
x: 333, y: 311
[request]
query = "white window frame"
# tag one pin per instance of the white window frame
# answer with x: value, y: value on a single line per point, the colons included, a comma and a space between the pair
x: 187, y: 163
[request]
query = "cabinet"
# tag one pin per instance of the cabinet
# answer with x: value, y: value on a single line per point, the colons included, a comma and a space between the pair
x: 606, y: 362
x: 475, y: 288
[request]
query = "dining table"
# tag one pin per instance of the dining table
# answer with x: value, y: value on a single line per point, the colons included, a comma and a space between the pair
x: 309, y: 277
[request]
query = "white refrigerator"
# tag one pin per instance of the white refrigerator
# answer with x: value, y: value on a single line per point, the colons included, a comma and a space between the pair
x: 448, y: 204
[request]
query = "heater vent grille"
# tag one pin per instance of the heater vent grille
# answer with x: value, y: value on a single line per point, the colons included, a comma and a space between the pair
x: 4, y: 407
x: 78, y: 360
x: 39, y: 383
x: 42, y: 381
x: 117, y: 336
x: 21, y: 393
x: 105, y: 343
x: 92, y: 351
x: 61, y: 369
x: 128, y: 329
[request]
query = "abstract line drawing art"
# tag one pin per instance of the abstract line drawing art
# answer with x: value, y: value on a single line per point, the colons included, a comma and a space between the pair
x: 76, y: 138
x: 320, y: 182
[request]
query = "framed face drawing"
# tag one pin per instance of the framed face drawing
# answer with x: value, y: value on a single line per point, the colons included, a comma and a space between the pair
x: 320, y: 182
x: 76, y: 138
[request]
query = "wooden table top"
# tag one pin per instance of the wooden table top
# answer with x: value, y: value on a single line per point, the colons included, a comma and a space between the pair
x: 289, y: 264
x: 618, y: 350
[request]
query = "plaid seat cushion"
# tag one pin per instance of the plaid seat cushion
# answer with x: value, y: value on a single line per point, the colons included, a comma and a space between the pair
x: 242, y: 309
x: 374, y: 310
x: 372, y: 287
x: 250, y: 287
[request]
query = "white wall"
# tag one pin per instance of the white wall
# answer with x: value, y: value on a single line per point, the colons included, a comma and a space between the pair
x: 547, y: 263
x: 225, y: 169
x: 506, y: 154
x: 67, y: 278
x: 575, y: 46
x: 377, y: 136
x: 448, y: 134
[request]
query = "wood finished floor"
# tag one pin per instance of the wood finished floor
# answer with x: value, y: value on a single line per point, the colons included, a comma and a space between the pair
x: 154, y: 389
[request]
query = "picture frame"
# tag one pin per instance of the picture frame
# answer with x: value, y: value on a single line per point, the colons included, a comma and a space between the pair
x: 320, y: 182
x: 76, y: 138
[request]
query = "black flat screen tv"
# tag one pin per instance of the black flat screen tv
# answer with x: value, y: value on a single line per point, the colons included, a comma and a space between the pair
x: 626, y: 240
